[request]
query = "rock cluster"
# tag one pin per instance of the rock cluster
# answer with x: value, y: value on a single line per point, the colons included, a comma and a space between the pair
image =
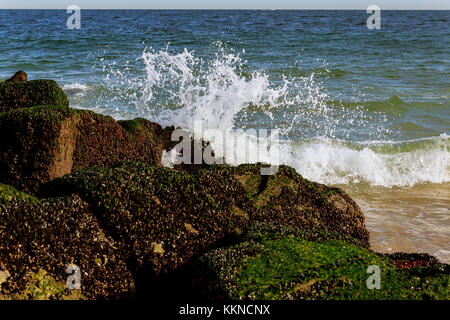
x: 45, y: 142
x: 79, y: 188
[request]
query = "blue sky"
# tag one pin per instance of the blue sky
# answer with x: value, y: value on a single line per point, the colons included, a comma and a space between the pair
x: 225, y: 4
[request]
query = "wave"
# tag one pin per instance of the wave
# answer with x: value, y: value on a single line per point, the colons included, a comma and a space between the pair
x: 74, y: 89
x: 325, y: 141
x: 383, y: 164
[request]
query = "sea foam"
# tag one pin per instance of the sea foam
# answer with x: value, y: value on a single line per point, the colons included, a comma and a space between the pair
x: 179, y: 88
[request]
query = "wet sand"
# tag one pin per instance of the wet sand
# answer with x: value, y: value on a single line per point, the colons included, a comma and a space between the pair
x: 415, y: 219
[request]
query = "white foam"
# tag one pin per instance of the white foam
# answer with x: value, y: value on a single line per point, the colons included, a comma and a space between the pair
x: 180, y: 88
x: 213, y: 92
x: 334, y: 163
x: 75, y: 89
x: 75, y: 85
x: 168, y: 158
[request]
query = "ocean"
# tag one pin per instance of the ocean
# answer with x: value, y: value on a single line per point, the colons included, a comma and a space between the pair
x: 365, y: 110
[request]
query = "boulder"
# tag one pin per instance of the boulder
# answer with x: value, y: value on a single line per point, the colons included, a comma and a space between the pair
x: 166, y: 218
x: 18, y: 76
x: 286, y: 198
x: 289, y: 265
x: 42, y: 143
x: 25, y: 94
x: 162, y: 216
x: 40, y: 238
x: 219, y: 233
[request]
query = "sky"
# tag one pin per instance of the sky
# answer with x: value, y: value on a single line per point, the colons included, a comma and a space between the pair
x: 226, y: 4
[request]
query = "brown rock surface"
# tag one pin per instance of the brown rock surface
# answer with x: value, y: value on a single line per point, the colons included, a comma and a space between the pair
x: 42, y: 143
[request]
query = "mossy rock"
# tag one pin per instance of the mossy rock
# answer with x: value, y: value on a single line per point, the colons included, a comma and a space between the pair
x: 292, y: 267
x: 287, y: 199
x: 30, y: 145
x: 42, y: 286
x: 45, y: 142
x: 9, y: 193
x: 50, y: 235
x: 103, y: 142
x: 163, y: 217
x: 25, y: 94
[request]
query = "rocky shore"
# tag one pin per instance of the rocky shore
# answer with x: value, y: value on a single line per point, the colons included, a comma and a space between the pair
x: 79, y: 188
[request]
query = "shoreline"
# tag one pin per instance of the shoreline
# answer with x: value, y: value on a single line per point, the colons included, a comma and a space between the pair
x: 408, y: 219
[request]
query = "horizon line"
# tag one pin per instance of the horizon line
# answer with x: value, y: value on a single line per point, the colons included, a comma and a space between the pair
x: 234, y: 9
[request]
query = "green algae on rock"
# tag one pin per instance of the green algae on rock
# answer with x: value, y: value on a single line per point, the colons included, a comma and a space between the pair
x: 286, y: 198
x: 31, y: 93
x: 292, y: 267
x: 9, y: 193
x: 42, y: 286
x: 45, y: 142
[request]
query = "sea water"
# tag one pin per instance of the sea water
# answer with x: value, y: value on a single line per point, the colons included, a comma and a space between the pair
x: 365, y: 110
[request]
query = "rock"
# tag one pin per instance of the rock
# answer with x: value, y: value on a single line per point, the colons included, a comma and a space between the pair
x: 40, y: 238
x: 18, y: 76
x: 286, y: 198
x: 15, y: 95
x: 165, y: 218
x: 407, y: 260
x: 217, y: 233
x: 289, y: 266
x: 42, y: 143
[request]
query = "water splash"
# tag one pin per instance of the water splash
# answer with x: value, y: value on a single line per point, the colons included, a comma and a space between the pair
x: 213, y: 92
x: 324, y: 139
x: 399, y: 164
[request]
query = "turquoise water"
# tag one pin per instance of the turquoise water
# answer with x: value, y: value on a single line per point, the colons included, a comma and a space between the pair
x: 364, y: 109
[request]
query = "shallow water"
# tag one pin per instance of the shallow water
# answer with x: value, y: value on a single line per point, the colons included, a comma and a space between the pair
x: 367, y: 110
x: 409, y: 219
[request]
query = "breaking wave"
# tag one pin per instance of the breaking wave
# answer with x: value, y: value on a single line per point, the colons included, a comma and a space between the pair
x: 325, y: 141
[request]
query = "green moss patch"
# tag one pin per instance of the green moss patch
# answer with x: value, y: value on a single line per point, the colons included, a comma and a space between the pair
x: 8, y: 193
x: 296, y: 268
x: 15, y: 95
x: 42, y: 286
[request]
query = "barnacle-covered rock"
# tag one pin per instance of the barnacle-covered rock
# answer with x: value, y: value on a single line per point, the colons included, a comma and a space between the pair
x: 163, y: 217
x: 287, y: 199
x: 288, y: 265
x: 18, y: 76
x: 23, y: 94
x: 39, y: 239
x: 42, y: 143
